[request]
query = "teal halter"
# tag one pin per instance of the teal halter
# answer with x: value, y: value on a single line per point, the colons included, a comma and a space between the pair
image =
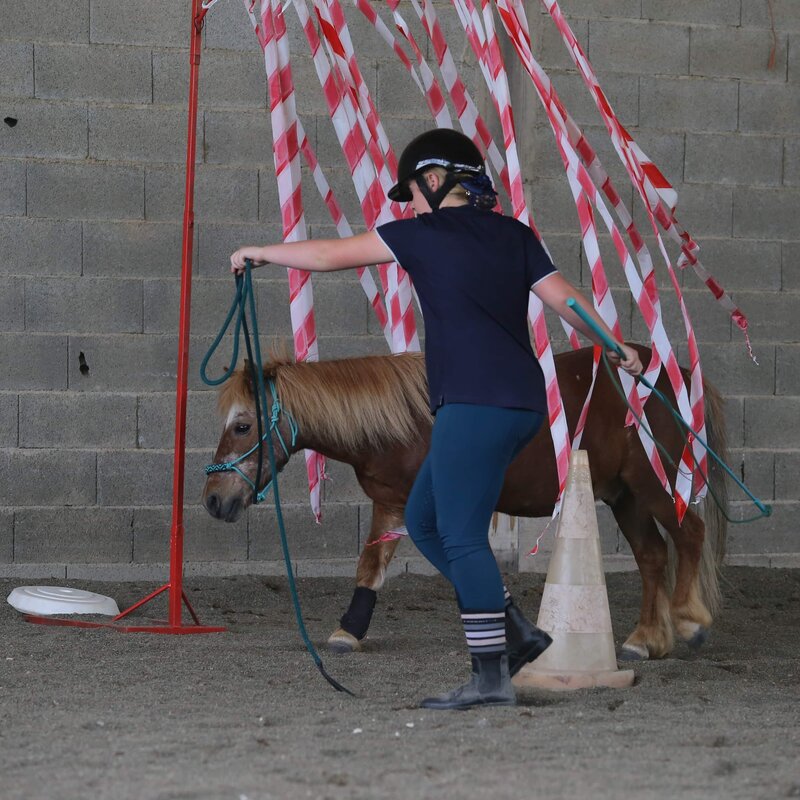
x: 231, y: 466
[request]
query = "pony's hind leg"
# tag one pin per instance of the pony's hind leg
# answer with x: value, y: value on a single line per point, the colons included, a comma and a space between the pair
x: 652, y: 637
x: 370, y: 575
x: 690, y: 614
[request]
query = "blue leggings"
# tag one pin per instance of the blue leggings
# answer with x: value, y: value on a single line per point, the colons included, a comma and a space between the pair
x: 454, y: 496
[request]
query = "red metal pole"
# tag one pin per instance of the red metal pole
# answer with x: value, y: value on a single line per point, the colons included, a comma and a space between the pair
x: 177, y: 530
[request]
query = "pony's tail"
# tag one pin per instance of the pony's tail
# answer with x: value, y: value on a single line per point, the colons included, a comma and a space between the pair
x: 716, y: 503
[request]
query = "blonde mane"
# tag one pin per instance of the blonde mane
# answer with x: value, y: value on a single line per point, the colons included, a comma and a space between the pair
x: 354, y: 402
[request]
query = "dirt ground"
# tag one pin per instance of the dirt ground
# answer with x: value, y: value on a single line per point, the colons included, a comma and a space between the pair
x: 245, y: 715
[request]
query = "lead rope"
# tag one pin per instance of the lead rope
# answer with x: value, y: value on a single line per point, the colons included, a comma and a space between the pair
x: 764, y: 509
x: 244, y: 304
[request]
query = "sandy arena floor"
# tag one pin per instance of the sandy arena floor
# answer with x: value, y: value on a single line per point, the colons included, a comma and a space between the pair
x: 94, y: 714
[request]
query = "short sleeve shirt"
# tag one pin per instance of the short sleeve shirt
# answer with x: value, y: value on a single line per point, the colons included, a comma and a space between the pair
x: 473, y: 270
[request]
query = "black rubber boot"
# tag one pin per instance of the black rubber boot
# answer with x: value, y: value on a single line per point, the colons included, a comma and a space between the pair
x: 489, y: 685
x: 524, y: 641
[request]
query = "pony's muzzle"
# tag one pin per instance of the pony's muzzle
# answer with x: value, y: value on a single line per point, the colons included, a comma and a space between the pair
x: 228, y: 509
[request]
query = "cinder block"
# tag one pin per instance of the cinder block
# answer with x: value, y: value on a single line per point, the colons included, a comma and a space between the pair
x: 756, y: 469
x: 85, y: 191
x: 752, y: 160
x: 134, y: 477
x: 622, y: 92
x: 353, y: 346
x: 94, y: 72
x: 740, y: 264
x: 765, y: 213
x: 9, y: 404
x: 229, y: 79
x: 714, y: 12
x: 243, y: 138
x: 787, y: 369
x: 791, y: 157
x: 396, y: 89
x: 769, y: 108
x: 47, y: 477
x: 146, y: 135
x: 30, y: 362
x: 205, y: 538
x: 774, y: 534
x: 211, y: 300
x: 734, y: 420
x: 156, y: 420
x: 548, y: 46
x: 12, y: 188
x: 730, y: 368
x: 772, y: 316
x: 217, y: 242
x: 77, y: 420
x: 43, y: 20
x: 124, y: 363
x: 690, y: 104
x: 790, y: 256
x: 738, y: 53
x: 6, y: 536
x: 12, y: 304
x: 228, y: 27
x: 793, y: 72
x: 83, y: 305
x: 666, y: 150
x: 335, y: 537
x: 16, y: 69
x: 220, y: 194
x: 309, y: 97
x: 131, y: 249
x: 625, y: 9
x: 787, y: 475
x: 711, y: 324
x: 640, y: 47
x: 704, y: 209
x: 552, y: 206
x: 94, y: 535
x: 146, y: 22
x: 57, y: 244
x: 785, y: 13
x: 44, y: 130
x: 772, y: 422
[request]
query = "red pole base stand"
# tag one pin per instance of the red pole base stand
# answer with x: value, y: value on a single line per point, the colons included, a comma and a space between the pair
x: 176, y: 594
x: 153, y: 627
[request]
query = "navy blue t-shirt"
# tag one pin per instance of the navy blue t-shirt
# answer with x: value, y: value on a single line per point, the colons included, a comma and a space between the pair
x: 473, y: 270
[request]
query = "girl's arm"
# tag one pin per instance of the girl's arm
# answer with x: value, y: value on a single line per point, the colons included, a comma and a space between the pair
x: 317, y: 255
x: 555, y: 290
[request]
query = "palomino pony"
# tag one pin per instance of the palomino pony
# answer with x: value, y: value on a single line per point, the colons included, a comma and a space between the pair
x: 372, y: 413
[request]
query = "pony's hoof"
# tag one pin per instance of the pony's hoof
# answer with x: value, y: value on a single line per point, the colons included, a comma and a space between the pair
x: 342, y: 642
x: 699, y: 638
x: 633, y: 652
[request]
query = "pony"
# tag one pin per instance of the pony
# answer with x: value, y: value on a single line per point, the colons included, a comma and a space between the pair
x: 372, y: 413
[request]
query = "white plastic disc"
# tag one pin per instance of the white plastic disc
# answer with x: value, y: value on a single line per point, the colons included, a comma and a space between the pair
x: 47, y: 600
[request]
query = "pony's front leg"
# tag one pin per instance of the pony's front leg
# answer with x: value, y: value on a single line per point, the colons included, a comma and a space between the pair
x: 370, y: 575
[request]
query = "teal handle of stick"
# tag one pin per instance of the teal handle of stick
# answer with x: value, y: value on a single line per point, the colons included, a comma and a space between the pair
x: 607, y: 340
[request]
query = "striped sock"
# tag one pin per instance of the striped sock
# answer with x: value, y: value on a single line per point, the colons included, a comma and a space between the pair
x: 485, y: 632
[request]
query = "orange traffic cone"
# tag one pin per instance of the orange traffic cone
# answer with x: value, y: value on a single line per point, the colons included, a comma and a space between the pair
x: 574, y: 608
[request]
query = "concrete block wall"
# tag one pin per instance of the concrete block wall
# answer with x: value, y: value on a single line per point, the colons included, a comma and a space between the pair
x: 92, y: 139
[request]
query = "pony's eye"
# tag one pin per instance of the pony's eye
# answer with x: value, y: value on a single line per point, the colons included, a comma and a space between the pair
x: 241, y: 427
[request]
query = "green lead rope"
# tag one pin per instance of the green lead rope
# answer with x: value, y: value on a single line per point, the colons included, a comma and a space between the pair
x: 243, y: 306
x: 764, y: 509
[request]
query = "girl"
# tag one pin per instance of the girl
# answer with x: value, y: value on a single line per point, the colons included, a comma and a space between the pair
x: 472, y: 270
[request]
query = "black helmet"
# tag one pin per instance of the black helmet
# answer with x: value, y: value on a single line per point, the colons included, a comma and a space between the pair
x: 441, y: 147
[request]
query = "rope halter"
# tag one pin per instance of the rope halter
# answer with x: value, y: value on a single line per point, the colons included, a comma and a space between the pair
x: 231, y: 466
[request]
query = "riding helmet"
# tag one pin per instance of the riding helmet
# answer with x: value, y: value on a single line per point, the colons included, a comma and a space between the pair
x: 441, y: 147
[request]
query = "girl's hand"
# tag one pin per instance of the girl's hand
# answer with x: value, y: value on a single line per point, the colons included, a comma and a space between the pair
x: 254, y: 254
x: 631, y: 363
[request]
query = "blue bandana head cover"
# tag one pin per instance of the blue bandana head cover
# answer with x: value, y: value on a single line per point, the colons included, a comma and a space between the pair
x: 480, y: 191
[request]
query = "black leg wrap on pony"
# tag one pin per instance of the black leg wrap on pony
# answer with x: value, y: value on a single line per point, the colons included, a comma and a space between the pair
x: 357, y: 618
